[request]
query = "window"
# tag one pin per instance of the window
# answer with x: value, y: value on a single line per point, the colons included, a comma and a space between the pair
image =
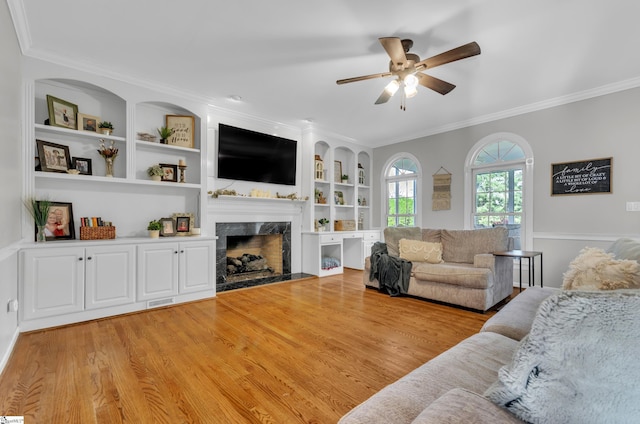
x: 402, y: 179
x: 499, y: 171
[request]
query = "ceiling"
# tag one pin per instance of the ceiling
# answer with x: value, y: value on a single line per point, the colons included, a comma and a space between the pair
x: 283, y: 57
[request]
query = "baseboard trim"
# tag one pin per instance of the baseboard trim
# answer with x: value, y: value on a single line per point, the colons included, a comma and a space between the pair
x: 7, y: 354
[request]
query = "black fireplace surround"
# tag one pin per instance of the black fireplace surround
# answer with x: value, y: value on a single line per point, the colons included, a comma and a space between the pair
x: 225, y: 229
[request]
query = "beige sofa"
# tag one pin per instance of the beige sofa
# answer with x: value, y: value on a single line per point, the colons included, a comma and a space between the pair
x: 583, y: 369
x: 468, y: 274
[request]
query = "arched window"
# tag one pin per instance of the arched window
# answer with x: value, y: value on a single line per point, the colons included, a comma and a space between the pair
x: 402, y: 179
x: 498, y: 186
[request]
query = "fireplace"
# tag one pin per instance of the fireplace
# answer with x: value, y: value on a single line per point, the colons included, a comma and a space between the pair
x: 250, y: 251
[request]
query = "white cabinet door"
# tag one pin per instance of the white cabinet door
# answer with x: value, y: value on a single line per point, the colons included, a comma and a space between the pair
x: 110, y: 276
x: 52, y: 282
x: 157, y: 270
x: 196, y: 267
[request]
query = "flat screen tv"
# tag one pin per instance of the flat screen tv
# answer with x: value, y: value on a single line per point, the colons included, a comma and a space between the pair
x: 252, y: 156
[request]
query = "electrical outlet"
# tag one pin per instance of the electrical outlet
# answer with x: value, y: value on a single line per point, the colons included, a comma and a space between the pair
x: 633, y: 206
x: 12, y: 305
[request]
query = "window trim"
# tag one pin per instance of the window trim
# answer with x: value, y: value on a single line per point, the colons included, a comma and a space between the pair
x: 527, y: 188
x: 384, y: 180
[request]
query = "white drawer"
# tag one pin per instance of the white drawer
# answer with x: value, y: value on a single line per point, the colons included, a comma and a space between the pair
x: 328, y: 238
x: 351, y: 235
x: 372, y: 235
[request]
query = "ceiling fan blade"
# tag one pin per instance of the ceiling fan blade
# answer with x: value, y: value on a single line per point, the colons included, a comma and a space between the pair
x: 434, y: 83
x: 384, y: 97
x: 364, y: 77
x: 462, y: 52
x: 393, y: 47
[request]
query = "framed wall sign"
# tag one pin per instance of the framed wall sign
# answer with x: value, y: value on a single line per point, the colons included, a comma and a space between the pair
x: 62, y: 113
x: 183, y: 129
x: 337, y: 171
x: 581, y: 177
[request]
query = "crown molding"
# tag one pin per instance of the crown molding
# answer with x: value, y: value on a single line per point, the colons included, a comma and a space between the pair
x: 19, y: 17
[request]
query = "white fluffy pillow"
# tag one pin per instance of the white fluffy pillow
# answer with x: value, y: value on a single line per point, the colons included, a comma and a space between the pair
x: 420, y: 251
x: 594, y: 269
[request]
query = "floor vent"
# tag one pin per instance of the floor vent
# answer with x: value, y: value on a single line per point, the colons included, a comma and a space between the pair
x: 160, y: 302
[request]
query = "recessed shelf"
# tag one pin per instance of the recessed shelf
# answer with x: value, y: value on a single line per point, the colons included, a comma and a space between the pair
x: 167, y: 147
x: 76, y: 133
x: 110, y: 180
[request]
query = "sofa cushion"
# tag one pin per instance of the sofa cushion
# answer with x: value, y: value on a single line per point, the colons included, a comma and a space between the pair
x: 431, y: 235
x: 462, y: 245
x: 625, y: 248
x: 515, y: 318
x: 462, y: 406
x: 472, y: 364
x: 595, y: 269
x: 464, y: 275
x: 420, y: 251
x: 578, y: 364
x: 392, y: 236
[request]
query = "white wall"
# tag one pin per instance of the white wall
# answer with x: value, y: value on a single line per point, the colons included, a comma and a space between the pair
x: 605, y: 126
x: 10, y: 174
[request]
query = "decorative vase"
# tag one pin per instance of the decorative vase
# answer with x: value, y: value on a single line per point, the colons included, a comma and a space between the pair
x: 156, y: 177
x: 163, y: 141
x: 106, y: 131
x: 109, y: 164
x: 154, y: 233
x: 41, y: 237
x: 345, y: 181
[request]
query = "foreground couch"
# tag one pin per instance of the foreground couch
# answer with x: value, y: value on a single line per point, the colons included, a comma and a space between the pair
x: 452, y: 266
x: 548, y: 356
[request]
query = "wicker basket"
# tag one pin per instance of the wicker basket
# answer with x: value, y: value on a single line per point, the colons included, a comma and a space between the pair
x: 97, y: 233
x: 344, y: 225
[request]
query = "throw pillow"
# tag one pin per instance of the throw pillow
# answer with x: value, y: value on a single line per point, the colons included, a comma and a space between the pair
x: 392, y: 236
x: 578, y: 364
x: 595, y: 269
x: 421, y: 251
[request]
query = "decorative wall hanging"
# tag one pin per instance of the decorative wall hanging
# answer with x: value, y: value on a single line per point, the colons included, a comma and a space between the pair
x: 441, y: 198
x: 582, y: 177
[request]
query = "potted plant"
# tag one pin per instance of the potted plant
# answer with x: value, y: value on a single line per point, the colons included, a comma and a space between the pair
x: 345, y: 178
x: 165, y: 133
x: 105, y: 127
x: 39, y: 210
x: 322, y: 222
x: 155, y: 172
x: 154, y: 229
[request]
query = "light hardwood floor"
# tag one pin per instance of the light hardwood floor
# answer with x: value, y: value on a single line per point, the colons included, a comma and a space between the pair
x: 295, y: 352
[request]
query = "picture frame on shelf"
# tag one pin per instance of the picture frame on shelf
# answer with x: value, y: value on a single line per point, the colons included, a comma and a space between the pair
x: 337, y: 171
x: 53, y: 157
x: 183, y: 127
x: 83, y: 165
x: 169, y: 172
x: 184, y: 223
x: 167, y: 227
x: 59, y: 222
x: 62, y: 113
x: 338, y: 198
x: 88, y: 123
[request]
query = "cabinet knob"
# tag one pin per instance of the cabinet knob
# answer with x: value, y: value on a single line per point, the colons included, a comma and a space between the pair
x: 176, y: 252
x: 88, y: 258
x: 80, y: 258
x: 182, y: 251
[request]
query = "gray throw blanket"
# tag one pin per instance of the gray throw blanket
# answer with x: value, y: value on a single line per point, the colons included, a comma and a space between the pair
x: 392, y: 273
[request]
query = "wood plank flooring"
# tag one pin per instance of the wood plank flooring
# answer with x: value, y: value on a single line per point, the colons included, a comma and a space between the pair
x: 293, y: 352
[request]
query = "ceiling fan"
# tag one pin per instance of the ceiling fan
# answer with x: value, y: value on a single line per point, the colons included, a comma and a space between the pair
x: 406, y: 68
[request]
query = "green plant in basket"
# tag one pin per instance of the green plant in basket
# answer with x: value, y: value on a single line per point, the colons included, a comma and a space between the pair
x: 105, y: 124
x: 154, y: 226
x: 323, y: 221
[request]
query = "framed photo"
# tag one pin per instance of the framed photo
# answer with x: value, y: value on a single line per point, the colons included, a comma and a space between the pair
x: 82, y: 164
x: 53, y: 157
x: 337, y: 171
x: 59, y: 224
x: 184, y: 223
x: 169, y: 172
x: 62, y: 113
x: 167, y: 227
x: 338, y: 198
x: 183, y: 129
x: 88, y: 122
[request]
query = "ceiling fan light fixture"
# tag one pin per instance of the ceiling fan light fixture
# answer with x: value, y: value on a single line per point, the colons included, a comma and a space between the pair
x: 411, y: 81
x: 409, y: 91
x: 392, y: 87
